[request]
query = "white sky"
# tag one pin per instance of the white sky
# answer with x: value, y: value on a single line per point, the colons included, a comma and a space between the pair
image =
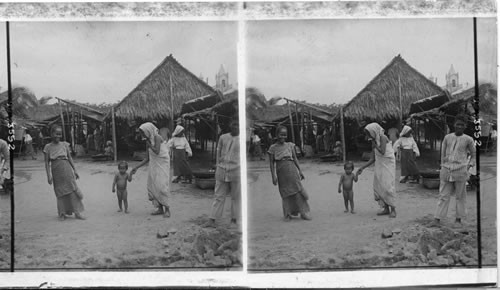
x: 103, y: 61
x: 327, y: 61
x: 321, y: 61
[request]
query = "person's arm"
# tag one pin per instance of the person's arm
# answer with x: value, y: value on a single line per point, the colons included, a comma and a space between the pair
x: 296, y: 161
x: 129, y: 177
x: 143, y: 162
x: 47, y: 167
x: 383, y: 145
x: 70, y: 159
x: 355, y: 177
x: 370, y: 162
x: 415, y: 147
x: 188, y: 148
x: 114, y: 183
x: 156, y: 147
x: 472, y: 150
x: 271, y: 166
x: 219, y: 149
x: 340, y: 183
x: 443, y: 150
x: 6, y: 155
x: 396, y: 145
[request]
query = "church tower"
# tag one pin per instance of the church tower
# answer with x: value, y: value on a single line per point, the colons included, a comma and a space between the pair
x: 222, y: 80
x: 452, y: 81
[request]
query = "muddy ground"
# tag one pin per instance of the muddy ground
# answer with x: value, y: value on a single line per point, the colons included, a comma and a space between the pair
x: 334, y: 239
x: 111, y: 239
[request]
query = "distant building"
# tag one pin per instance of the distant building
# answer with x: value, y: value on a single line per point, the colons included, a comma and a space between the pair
x: 222, y: 80
x: 452, y: 81
x: 433, y: 79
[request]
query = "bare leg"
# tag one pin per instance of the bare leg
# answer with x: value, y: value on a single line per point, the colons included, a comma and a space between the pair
x: 346, y: 201
x: 119, y: 196
x: 351, y: 201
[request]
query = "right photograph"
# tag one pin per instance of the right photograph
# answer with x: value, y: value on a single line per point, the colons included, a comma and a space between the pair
x: 365, y: 149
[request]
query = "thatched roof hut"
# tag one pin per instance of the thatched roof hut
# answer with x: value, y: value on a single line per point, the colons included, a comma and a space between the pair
x: 380, y: 99
x: 151, y: 99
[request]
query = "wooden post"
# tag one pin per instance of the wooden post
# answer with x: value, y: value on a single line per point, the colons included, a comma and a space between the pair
x: 342, y: 137
x: 291, y: 121
x: 62, y: 120
x: 171, y: 105
x: 400, y: 104
x: 113, y: 125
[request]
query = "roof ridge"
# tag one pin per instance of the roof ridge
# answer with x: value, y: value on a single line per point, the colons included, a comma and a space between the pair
x: 396, y: 59
x: 174, y: 61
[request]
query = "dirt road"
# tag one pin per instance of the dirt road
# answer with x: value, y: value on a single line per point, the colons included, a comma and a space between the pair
x: 111, y: 239
x: 334, y: 239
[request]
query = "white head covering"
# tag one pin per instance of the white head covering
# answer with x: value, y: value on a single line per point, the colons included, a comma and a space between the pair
x: 150, y: 131
x: 178, y: 129
x: 405, y: 130
x: 375, y: 131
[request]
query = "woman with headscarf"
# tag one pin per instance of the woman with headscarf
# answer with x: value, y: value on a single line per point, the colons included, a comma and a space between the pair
x: 408, y: 150
x: 158, y: 158
x: 384, y: 187
x: 179, y: 145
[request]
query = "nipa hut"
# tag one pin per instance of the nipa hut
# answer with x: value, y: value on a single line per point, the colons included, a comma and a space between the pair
x: 462, y: 101
x: 158, y: 98
x: 386, y: 99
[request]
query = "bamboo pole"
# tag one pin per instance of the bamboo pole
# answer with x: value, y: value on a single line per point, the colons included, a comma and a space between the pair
x: 113, y: 124
x: 400, y: 103
x: 291, y: 121
x: 171, y: 105
x: 62, y: 120
x: 342, y: 132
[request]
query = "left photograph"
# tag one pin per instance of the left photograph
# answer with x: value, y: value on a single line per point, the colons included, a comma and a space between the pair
x: 5, y: 182
x: 127, y: 151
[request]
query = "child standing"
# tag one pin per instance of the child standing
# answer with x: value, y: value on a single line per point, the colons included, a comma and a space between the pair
x: 120, y: 183
x: 346, y: 185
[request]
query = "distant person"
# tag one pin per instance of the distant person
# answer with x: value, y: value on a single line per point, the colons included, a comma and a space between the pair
x: 158, y: 157
x: 326, y: 138
x: 227, y: 176
x: 61, y: 172
x: 286, y: 173
x: 97, y: 139
x: 338, y: 153
x: 28, y: 142
x: 458, y: 154
x: 384, y: 187
x: 257, y: 149
x: 5, y: 180
x: 108, y: 150
x: 180, y: 148
x: 346, y: 185
x: 408, y: 150
x: 120, y: 185
x: 493, y: 138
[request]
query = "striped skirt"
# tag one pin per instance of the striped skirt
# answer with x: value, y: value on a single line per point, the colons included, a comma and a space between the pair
x: 294, y: 197
x: 69, y: 196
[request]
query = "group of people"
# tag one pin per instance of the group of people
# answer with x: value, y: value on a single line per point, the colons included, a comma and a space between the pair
x: 62, y: 173
x: 458, y: 154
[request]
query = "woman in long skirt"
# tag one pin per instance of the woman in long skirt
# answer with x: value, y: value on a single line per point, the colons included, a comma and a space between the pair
x: 61, y: 172
x: 286, y: 173
x: 180, y: 148
x: 158, y: 158
x: 384, y: 179
x: 408, y: 150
